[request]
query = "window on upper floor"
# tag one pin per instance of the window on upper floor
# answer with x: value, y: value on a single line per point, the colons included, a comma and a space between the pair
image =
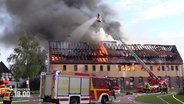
x: 176, y: 67
x: 75, y: 68
x: 119, y: 67
x: 108, y: 68
x: 172, y: 68
x: 94, y: 68
x: 86, y: 67
x: 101, y: 68
x: 64, y: 67
x: 163, y: 68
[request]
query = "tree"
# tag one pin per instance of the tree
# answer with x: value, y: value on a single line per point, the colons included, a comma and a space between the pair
x: 28, y: 59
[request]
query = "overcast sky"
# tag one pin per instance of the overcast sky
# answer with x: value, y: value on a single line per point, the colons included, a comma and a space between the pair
x: 143, y: 22
x: 152, y: 21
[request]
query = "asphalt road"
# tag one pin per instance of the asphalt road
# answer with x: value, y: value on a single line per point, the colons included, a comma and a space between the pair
x: 127, y: 99
x: 34, y: 99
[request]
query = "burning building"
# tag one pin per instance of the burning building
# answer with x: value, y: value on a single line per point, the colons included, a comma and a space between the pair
x: 54, y: 19
x: 110, y: 58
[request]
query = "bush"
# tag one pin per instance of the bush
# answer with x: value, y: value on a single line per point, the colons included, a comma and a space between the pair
x: 35, y: 92
x: 35, y: 84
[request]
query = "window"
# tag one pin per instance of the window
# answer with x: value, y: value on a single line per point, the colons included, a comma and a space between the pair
x: 151, y: 67
x: 75, y: 67
x: 158, y: 67
x: 168, y: 78
x: 140, y: 80
x: 95, y: 82
x: 131, y: 79
x: 64, y: 67
x: 86, y: 67
x: 142, y: 68
x: 163, y: 68
x: 176, y: 68
x: 94, y: 68
x: 101, y: 82
x: 101, y: 68
x: 178, y: 81
x: 108, y: 67
x: 172, y: 68
x: 131, y: 82
x: 119, y: 67
x: 177, y: 78
x: 133, y: 67
x: 116, y: 82
x: 122, y: 82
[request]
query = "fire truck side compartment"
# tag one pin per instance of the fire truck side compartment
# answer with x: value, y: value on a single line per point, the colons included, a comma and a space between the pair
x: 48, y: 85
x: 72, y: 85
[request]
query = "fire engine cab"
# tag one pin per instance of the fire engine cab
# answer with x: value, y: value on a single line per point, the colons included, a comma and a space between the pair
x: 75, y: 88
x: 3, y: 86
x: 116, y: 84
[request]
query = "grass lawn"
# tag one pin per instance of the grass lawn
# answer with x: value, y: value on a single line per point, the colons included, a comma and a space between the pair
x: 155, y: 98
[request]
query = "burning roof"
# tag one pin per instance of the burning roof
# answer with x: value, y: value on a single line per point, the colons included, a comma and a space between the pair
x: 112, y: 52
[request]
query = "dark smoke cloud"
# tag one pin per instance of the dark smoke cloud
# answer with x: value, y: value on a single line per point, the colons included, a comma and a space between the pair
x: 53, y: 19
x: 1, y: 10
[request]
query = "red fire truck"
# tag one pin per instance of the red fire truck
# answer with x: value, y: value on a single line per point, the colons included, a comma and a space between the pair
x: 116, y: 84
x: 3, y: 86
x: 75, y: 88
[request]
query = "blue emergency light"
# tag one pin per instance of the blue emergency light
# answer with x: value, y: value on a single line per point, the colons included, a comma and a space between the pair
x: 106, y: 76
x: 57, y: 73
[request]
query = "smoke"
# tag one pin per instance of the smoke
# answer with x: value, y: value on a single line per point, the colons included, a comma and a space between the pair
x: 53, y: 19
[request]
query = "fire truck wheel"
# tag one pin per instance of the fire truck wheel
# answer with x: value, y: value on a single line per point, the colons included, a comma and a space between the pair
x: 74, y: 101
x: 104, y: 100
x: 6, y: 102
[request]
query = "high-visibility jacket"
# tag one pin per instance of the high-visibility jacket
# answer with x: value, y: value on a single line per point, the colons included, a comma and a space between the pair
x: 6, y: 96
x: 147, y: 86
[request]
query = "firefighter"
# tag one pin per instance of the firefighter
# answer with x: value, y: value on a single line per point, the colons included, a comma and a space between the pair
x: 147, y: 87
x: 165, y: 88
x: 8, y: 95
x: 114, y: 94
x: 160, y: 87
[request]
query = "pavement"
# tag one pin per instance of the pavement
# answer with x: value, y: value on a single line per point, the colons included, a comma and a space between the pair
x: 33, y: 99
x: 128, y: 99
x: 120, y: 99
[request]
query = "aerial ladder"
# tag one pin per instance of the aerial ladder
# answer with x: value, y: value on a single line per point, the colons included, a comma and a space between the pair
x: 152, y: 79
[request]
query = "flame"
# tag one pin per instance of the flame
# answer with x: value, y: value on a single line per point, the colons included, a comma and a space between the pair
x: 56, y: 55
x: 54, y: 58
x: 158, y: 67
x: 133, y: 67
x: 142, y: 68
x: 102, y: 53
x: 128, y: 68
x: 123, y: 67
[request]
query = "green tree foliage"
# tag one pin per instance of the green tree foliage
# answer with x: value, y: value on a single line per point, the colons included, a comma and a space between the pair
x: 28, y: 58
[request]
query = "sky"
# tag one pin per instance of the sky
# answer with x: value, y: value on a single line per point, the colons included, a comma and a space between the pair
x: 151, y: 21
x: 143, y: 22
